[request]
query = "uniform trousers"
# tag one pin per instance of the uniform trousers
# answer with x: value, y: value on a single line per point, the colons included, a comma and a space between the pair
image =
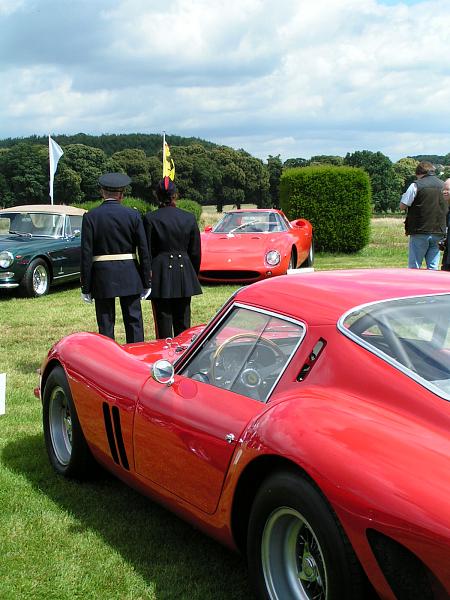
x: 171, y: 315
x: 105, y: 309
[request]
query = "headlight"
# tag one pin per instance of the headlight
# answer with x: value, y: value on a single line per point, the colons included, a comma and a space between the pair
x: 6, y: 259
x: 273, y: 258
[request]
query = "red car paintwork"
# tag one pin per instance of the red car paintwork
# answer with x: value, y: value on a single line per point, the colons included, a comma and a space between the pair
x: 374, y: 441
x: 240, y: 257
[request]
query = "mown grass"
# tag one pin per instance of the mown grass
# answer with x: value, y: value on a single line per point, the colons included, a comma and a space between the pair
x: 101, y: 540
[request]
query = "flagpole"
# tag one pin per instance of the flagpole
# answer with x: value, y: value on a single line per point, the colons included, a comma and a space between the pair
x: 51, y: 169
x: 164, y: 150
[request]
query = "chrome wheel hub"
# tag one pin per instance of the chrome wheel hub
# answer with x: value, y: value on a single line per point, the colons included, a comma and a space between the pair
x: 40, y: 280
x: 60, y: 425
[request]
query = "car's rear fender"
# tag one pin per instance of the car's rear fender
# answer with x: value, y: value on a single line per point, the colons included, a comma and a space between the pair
x: 349, y: 459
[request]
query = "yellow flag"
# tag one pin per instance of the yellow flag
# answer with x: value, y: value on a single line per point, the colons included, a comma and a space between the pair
x: 168, y: 164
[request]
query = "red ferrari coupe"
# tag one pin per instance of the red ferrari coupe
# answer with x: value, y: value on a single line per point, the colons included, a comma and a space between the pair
x: 253, y: 244
x: 306, y: 425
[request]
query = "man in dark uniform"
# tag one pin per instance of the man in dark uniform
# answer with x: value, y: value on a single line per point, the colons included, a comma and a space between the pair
x: 110, y: 237
x: 174, y: 244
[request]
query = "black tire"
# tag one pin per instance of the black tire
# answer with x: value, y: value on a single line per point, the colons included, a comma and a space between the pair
x: 309, y: 260
x: 36, y: 281
x: 296, y: 548
x: 66, y: 446
x: 292, y: 261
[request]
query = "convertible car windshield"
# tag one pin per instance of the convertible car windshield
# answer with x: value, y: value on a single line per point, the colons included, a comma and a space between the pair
x: 32, y: 224
x: 415, y: 332
x: 251, y: 222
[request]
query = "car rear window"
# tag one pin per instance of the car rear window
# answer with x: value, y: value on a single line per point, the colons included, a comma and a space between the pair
x: 412, y: 333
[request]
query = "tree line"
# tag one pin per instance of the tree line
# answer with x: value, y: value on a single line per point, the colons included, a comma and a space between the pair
x: 205, y: 172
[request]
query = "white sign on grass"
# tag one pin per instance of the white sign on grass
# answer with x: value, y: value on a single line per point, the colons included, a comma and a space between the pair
x: 2, y: 393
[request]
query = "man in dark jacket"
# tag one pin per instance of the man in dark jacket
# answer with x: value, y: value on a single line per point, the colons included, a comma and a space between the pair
x: 174, y: 243
x: 111, y: 235
x: 445, y: 266
x: 426, y: 217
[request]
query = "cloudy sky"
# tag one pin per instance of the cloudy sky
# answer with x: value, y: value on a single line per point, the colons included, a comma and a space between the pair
x: 288, y: 77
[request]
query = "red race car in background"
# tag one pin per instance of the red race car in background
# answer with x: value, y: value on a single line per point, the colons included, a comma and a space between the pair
x: 308, y: 425
x: 252, y: 244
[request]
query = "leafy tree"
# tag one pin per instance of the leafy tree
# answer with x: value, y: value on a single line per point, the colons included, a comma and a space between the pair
x: 89, y: 163
x: 67, y: 186
x: 385, y: 184
x: 275, y: 168
x: 135, y: 164
x: 26, y: 174
x: 405, y: 169
x: 325, y: 159
x: 291, y: 163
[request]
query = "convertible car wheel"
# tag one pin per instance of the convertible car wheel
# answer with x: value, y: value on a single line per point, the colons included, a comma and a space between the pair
x: 296, y: 547
x: 36, y: 281
x: 66, y: 447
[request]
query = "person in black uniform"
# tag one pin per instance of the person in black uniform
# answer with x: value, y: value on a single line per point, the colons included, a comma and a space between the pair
x: 111, y: 234
x: 173, y: 240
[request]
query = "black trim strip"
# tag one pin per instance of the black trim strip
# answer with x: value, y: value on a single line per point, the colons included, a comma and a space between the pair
x: 119, y: 438
x: 109, y: 432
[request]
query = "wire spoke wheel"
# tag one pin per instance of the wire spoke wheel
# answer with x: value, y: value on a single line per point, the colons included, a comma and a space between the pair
x: 40, y: 280
x: 292, y: 559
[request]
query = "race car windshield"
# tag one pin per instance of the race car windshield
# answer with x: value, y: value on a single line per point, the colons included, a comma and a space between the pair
x: 250, y: 222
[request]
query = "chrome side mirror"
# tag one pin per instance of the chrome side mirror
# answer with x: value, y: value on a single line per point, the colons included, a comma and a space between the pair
x: 163, y: 372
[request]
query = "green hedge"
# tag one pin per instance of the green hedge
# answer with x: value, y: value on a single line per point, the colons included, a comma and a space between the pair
x: 144, y: 207
x: 337, y: 201
x: 191, y: 206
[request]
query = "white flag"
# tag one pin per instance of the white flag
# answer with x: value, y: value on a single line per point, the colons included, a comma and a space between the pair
x: 54, y: 152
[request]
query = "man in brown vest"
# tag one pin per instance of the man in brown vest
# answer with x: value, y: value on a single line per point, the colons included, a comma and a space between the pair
x: 425, y: 221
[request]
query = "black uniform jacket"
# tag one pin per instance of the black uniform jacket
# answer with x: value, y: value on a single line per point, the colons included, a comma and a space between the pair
x: 174, y: 242
x: 113, y: 229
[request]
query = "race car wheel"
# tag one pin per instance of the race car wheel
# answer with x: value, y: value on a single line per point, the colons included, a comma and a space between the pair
x: 36, y: 281
x: 296, y: 547
x: 66, y: 446
x: 292, y: 261
x: 309, y: 261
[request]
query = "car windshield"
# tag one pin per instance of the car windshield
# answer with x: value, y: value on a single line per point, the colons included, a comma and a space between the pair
x: 413, y: 332
x: 247, y: 353
x: 250, y: 222
x: 32, y: 224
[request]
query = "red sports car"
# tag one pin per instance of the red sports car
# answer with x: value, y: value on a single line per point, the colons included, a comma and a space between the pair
x: 306, y: 425
x: 253, y: 244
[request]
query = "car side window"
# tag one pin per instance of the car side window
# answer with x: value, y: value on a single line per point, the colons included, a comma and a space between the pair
x: 247, y: 353
x: 74, y: 224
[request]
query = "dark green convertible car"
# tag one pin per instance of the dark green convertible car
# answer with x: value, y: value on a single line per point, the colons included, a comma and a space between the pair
x: 39, y: 247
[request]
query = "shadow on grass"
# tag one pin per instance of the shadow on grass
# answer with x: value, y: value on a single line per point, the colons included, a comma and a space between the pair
x: 177, y: 559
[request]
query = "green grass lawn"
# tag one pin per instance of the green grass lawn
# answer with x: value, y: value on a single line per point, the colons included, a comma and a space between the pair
x: 61, y: 539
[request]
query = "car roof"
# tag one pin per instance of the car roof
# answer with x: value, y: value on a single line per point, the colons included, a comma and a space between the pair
x: 59, y: 209
x: 322, y: 297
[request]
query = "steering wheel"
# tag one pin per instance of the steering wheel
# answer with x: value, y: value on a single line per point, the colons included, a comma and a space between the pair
x: 254, y: 374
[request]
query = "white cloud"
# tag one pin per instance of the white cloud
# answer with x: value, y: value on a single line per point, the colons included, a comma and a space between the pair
x: 290, y: 77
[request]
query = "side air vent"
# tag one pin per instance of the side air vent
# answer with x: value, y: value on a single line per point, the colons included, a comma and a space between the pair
x: 313, y: 356
x: 113, y: 430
